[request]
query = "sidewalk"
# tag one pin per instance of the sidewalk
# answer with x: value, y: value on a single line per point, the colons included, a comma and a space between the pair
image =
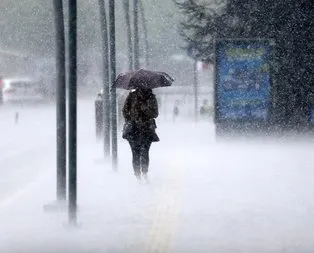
x: 202, y: 197
x: 116, y: 213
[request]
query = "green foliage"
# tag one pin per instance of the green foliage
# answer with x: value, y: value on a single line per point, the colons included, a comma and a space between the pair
x: 289, y: 23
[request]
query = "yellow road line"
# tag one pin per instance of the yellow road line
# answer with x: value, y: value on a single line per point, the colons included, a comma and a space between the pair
x: 168, y: 210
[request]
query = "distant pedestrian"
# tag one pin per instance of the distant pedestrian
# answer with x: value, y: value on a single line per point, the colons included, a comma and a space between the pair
x: 99, y: 115
x: 17, y: 117
x: 205, y: 109
x: 140, y: 110
x: 176, y: 111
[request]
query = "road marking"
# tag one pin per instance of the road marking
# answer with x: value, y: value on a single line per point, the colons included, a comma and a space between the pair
x: 21, y: 192
x: 10, y: 154
x: 166, y: 219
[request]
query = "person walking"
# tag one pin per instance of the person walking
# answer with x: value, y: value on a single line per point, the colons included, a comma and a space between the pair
x: 205, y: 110
x: 140, y: 111
x: 175, y: 112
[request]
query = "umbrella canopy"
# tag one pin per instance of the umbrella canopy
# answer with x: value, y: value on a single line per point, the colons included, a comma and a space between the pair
x: 143, y: 79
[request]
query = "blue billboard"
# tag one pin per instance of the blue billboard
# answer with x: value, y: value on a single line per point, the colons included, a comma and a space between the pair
x: 243, y: 80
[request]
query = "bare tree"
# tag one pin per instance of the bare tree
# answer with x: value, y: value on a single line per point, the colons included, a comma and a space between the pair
x: 145, y: 30
x: 126, y: 6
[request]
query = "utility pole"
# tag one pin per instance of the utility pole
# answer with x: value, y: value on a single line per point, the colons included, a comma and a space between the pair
x: 72, y: 211
x: 126, y: 5
x: 195, y: 82
x: 1, y: 90
x: 112, y: 36
x: 136, y: 36
x: 61, y: 100
x: 106, y: 82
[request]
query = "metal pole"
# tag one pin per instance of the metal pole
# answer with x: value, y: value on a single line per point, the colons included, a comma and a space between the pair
x: 1, y: 90
x: 126, y: 5
x: 60, y: 100
x: 72, y: 113
x: 145, y: 30
x: 195, y: 90
x: 136, y: 36
x: 112, y: 33
x: 106, y: 73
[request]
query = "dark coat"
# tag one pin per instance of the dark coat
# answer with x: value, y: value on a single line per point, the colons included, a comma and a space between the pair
x: 140, y: 110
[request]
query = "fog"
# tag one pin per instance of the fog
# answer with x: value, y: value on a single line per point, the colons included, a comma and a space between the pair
x: 203, y: 194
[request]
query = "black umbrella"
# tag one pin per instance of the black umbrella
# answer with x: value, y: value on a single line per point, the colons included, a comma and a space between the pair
x: 143, y: 79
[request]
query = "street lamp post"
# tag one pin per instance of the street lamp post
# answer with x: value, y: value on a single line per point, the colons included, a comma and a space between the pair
x: 136, y: 36
x: 106, y: 96
x: 112, y: 39
x: 126, y: 5
x: 195, y: 82
x: 61, y: 100
x: 72, y: 112
x: 145, y: 30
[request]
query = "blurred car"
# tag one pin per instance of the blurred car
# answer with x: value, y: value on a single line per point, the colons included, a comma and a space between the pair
x: 21, y: 90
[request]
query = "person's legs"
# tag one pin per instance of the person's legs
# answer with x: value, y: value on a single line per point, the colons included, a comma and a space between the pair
x: 136, y: 154
x: 145, y: 156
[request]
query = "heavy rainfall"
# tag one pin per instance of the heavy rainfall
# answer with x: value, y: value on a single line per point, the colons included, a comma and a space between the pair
x: 157, y: 126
